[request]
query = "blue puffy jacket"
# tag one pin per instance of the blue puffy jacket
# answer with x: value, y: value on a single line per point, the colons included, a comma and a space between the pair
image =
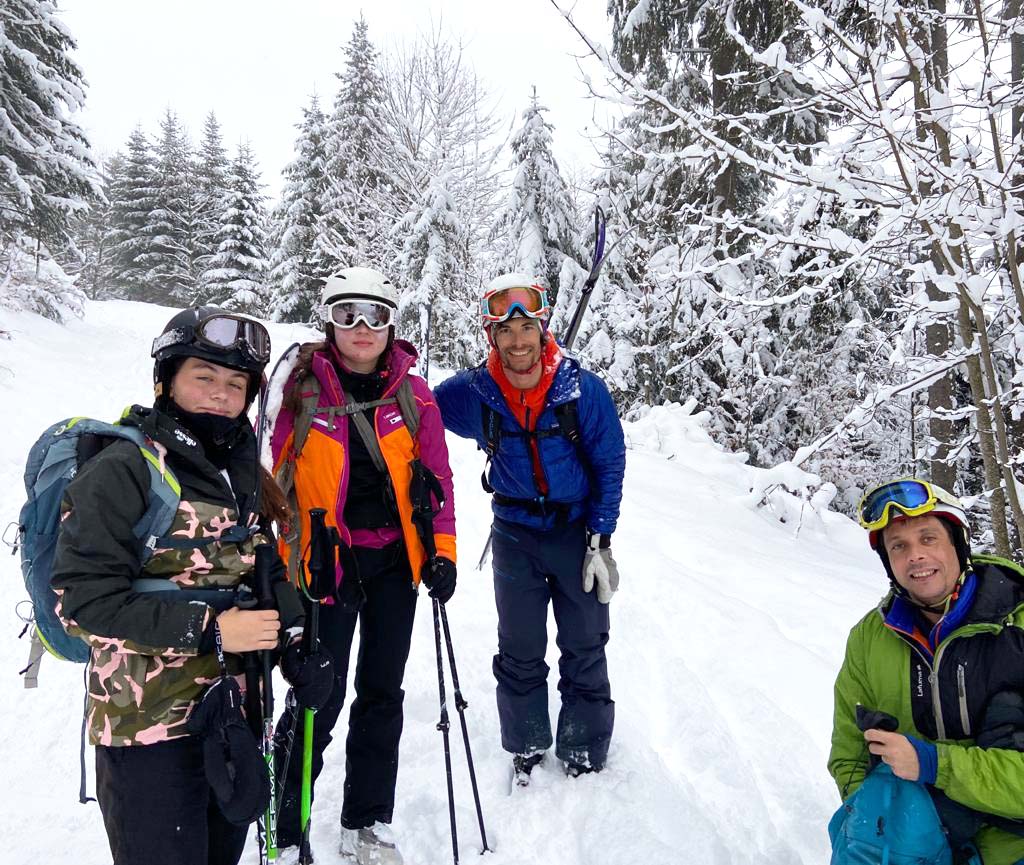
x: 594, y: 491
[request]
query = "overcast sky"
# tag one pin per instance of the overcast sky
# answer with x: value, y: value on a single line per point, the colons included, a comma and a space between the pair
x: 256, y: 64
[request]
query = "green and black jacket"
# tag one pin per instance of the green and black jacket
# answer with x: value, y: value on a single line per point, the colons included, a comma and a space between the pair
x: 942, y: 699
x: 151, y: 654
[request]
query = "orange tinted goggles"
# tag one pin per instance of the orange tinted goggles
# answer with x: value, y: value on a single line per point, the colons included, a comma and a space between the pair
x: 502, y: 304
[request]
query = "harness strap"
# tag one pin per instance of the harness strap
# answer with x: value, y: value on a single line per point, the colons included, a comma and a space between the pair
x: 82, y: 797
x: 366, y: 431
x: 539, y: 507
x: 36, y: 650
x: 568, y: 427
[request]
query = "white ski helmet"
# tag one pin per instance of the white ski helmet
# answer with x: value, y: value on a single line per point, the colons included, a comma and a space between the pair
x: 512, y: 280
x: 359, y: 282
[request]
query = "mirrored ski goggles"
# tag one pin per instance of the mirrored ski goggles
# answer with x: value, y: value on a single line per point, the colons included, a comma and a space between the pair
x: 346, y: 314
x: 910, y: 496
x: 501, y: 304
x: 221, y: 332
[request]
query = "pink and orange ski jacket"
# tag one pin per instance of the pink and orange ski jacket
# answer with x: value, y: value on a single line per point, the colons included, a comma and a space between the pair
x: 322, y: 469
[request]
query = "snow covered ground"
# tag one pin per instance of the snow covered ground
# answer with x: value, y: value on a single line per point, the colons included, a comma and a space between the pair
x: 726, y: 636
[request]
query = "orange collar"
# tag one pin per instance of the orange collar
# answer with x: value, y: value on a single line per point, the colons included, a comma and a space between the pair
x: 527, y: 404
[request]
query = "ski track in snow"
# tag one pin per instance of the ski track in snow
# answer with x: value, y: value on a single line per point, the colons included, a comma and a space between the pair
x: 726, y: 636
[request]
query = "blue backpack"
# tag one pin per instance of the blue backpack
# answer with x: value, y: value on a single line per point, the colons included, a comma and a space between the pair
x: 888, y: 821
x: 52, y: 462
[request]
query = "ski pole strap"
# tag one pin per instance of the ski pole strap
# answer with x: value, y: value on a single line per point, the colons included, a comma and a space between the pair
x: 236, y: 534
x: 219, y: 599
x: 219, y: 644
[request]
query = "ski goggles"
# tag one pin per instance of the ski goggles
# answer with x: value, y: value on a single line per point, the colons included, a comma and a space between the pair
x: 221, y: 333
x: 346, y: 314
x: 502, y: 303
x: 911, y: 497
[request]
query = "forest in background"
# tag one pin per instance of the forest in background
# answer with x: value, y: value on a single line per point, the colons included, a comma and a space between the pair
x: 817, y: 202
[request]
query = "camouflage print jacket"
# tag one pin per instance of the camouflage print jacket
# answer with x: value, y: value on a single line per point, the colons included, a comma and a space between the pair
x: 148, y: 663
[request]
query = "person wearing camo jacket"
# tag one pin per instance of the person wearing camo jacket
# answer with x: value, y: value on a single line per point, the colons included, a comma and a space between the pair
x: 153, y: 654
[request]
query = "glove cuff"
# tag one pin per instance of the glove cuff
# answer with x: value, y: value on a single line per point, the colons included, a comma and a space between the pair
x: 597, y: 541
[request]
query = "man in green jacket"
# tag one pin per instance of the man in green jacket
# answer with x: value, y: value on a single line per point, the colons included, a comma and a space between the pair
x: 945, y: 641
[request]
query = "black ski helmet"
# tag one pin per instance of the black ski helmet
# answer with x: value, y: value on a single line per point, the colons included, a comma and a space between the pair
x: 213, y: 334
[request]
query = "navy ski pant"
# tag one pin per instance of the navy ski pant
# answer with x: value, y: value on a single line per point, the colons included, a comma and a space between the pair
x: 375, y: 719
x: 532, y: 567
x: 158, y: 808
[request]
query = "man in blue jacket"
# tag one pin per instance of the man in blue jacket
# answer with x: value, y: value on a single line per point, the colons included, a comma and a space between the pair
x: 556, y: 457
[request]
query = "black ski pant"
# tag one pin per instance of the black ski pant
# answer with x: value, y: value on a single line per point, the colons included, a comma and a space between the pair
x: 531, y: 568
x: 375, y: 719
x: 158, y: 808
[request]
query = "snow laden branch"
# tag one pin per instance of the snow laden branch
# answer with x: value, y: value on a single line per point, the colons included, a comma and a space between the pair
x: 793, y: 169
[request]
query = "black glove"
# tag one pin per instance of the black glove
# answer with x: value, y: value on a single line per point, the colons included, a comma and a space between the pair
x: 439, y: 576
x: 1002, y: 725
x: 311, y: 676
x: 234, y: 767
x: 276, y: 570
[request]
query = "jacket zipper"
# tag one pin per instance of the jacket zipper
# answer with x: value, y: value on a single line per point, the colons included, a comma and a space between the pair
x: 961, y: 689
x: 933, y: 676
x: 933, y: 680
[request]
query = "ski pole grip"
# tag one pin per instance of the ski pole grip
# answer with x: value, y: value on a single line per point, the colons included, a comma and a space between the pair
x: 322, y: 544
x: 265, y: 556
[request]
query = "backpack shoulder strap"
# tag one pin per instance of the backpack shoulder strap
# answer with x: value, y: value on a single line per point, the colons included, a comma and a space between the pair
x: 309, y: 386
x: 164, y: 493
x: 408, y: 407
x: 410, y: 412
x: 567, y: 415
x: 491, y: 423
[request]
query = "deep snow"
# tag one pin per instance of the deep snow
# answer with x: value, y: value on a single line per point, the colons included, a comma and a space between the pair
x: 726, y: 636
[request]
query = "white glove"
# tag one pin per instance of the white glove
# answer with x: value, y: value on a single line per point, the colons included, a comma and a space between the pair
x: 599, y: 567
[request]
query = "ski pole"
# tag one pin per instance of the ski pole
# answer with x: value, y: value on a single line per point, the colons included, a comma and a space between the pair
x: 444, y: 726
x: 323, y: 542
x: 460, y: 705
x: 265, y: 556
x: 426, y: 343
x: 291, y: 708
x: 424, y: 490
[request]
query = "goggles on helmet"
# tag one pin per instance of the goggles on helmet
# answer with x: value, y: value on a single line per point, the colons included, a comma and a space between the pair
x: 347, y: 313
x: 909, y: 496
x: 502, y: 303
x: 220, y: 333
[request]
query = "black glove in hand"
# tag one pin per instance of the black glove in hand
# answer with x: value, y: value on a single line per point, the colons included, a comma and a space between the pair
x: 311, y: 676
x: 439, y: 577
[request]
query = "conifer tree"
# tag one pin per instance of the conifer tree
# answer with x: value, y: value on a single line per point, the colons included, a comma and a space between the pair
x: 353, y: 227
x: 429, y: 269
x: 92, y: 236
x: 692, y: 48
x: 47, y: 173
x: 213, y: 185
x: 171, y: 224
x: 237, y: 273
x: 133, y: 196
x: 536, y: 225
x: 297, y: 264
